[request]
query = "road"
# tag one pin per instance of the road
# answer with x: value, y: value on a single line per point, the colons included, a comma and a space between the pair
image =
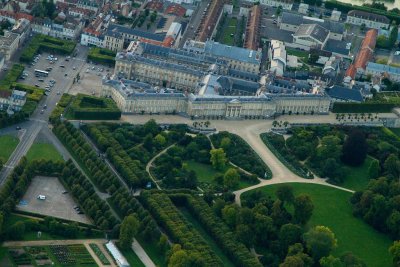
x: 39, y: 119
x: 194, y: 23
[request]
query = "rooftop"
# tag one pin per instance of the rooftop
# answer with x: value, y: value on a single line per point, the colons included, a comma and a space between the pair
x: 383, y: 68
x: 313, y: 30
x: 297, y: 19
x: 368, y: 16
x: 232, y: 52
x: 116, y: 30
x: 344, y: 93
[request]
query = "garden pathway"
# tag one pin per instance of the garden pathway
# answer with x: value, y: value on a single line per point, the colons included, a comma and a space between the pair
x: 151, y: 163
x: 280, y: 173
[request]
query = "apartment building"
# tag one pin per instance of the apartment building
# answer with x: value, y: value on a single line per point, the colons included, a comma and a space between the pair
x: 252, y: 33
x: 277, y: 56
x: 370, y: 20
x: 382, y: 70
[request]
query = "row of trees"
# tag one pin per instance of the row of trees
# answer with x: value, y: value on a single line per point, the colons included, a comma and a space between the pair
x: 217, y: 229
x: 84, y: 193
x: 181, y: 232
x: 241, y: 154
x: 100, y: 174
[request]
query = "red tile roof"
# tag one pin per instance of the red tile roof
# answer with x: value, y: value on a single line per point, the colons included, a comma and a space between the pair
x: 370, y: 39
x: 155, y: 5
x: 176, y: 10
x: 351, y: 72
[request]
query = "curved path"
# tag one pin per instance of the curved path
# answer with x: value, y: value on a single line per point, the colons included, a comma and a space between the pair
x: 151, y: 163
x: 280, y: 173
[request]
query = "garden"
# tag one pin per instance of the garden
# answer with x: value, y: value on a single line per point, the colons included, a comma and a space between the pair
x: 333, y: 209
x: 347, y: 156
x: 72, y: 255
x: 46, y: 43
x: 102, y: 56
x: 84, y: 107
x: 103, y: 259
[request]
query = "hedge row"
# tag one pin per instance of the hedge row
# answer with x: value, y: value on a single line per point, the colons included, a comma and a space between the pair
x: 125, y: 204
x: 345, y: 8
x: 86, y: 107
x: 167, y: 215
x: 48, y: 44
x: 133, y: 171
x: 34, y: 93
x: 60, y: 108
x: 216, y: 228
x: 241, y: 154
x: 339, y: 107
x: 83, y: 191
x: 12, y: 76
x: 102, y: 56
x: 99, y: 173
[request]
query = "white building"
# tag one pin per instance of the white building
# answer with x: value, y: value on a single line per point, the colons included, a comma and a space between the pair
x: 9, y: 44
x: 381, y: 70
x: 12, y: 100
x: 116, y: 254
x: 285, y: 4
x: 371, y: 20
x: 277, y: 56
x: 311, y: 36
x: 303, y: 8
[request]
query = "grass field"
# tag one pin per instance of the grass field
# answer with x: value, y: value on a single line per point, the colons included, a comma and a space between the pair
x: 43, y: 151
x: 8, y: 144
x: 153, y: 252
x: 357, y: 177
x: 333, y: 209
x: 297, y: 53
x: 205, y: 173
x: 132, y: 258
x: 206, y: 237
x: 230, y: 29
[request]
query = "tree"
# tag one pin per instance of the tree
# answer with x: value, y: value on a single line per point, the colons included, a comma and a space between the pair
x: 218, y: 158
x: 373, y: 170
x: 320, y: 241
x: 289, y: 234
x: 160, y: 139
x: 17, y: 230
x: 392, y: 166
x: 179, y: 258
x: 394, y: 250
x: 245, y: 234
x: 1, y: 222
x: 330, y: 261
x: 285, y: 193
x: 355, y: 148
x: 225, y: 142
x: 303, y: 208
x: 229, y: 215
x: 231, y: 178
x: 393, y: 36
x: 129, y: 228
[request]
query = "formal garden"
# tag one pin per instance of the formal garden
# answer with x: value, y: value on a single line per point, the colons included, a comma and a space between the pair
x: 341, y: 154
x: 84, y: 107
x: 48, y: 44
x: 102, y: 56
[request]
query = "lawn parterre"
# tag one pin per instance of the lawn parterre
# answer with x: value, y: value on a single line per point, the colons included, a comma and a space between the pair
x: 85, y: 107
x: 8, y: 144
x: 333, y: 209
x: 99, y: 254
x: 46, y: 43
x: 43, y: 151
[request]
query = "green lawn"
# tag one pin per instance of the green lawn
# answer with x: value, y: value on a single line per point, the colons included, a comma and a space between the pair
x: 206, y: 237
x: 357, y: 177
x: 230, y: 29
x: 333, y: 209
x: 43, y: 151
x: 153, y: 252
x: 132, y: 258
x: 8, y: 144
x: 205, y: 173
x: 297, y: 53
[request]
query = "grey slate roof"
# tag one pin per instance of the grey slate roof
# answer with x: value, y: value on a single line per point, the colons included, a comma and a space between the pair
x: 297, y: 19
x: 368, y: 16
x: 344, y: 93
x: 336, y: 46
x: 313, y: 30
x: 232, y: 52
x: 116, y: 30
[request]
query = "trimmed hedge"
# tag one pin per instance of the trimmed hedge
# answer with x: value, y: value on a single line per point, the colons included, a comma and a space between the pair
x: 59, y: 109
x: 46, y: 43
x: 34, y: 93
x: 12, y: 75
x: 216, y: 228
x: 102, y: 56
x: 86, y: 107
x: 340, y: 107
x: 180, y: 230
x: 345, y: 8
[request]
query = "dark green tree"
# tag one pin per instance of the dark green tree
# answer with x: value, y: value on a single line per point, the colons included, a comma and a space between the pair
x: 355, y: 148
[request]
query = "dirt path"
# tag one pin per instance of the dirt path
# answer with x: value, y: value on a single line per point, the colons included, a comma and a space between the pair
x: 148, y: 166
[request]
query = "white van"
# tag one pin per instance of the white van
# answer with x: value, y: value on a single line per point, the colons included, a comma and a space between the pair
x: 41, y: 197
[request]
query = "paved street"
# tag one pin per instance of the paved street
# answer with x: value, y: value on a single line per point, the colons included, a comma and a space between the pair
x: 38, y: 120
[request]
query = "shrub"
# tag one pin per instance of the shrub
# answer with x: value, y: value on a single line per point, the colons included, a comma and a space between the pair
x: 102, y: 56
x: 86, y: 107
